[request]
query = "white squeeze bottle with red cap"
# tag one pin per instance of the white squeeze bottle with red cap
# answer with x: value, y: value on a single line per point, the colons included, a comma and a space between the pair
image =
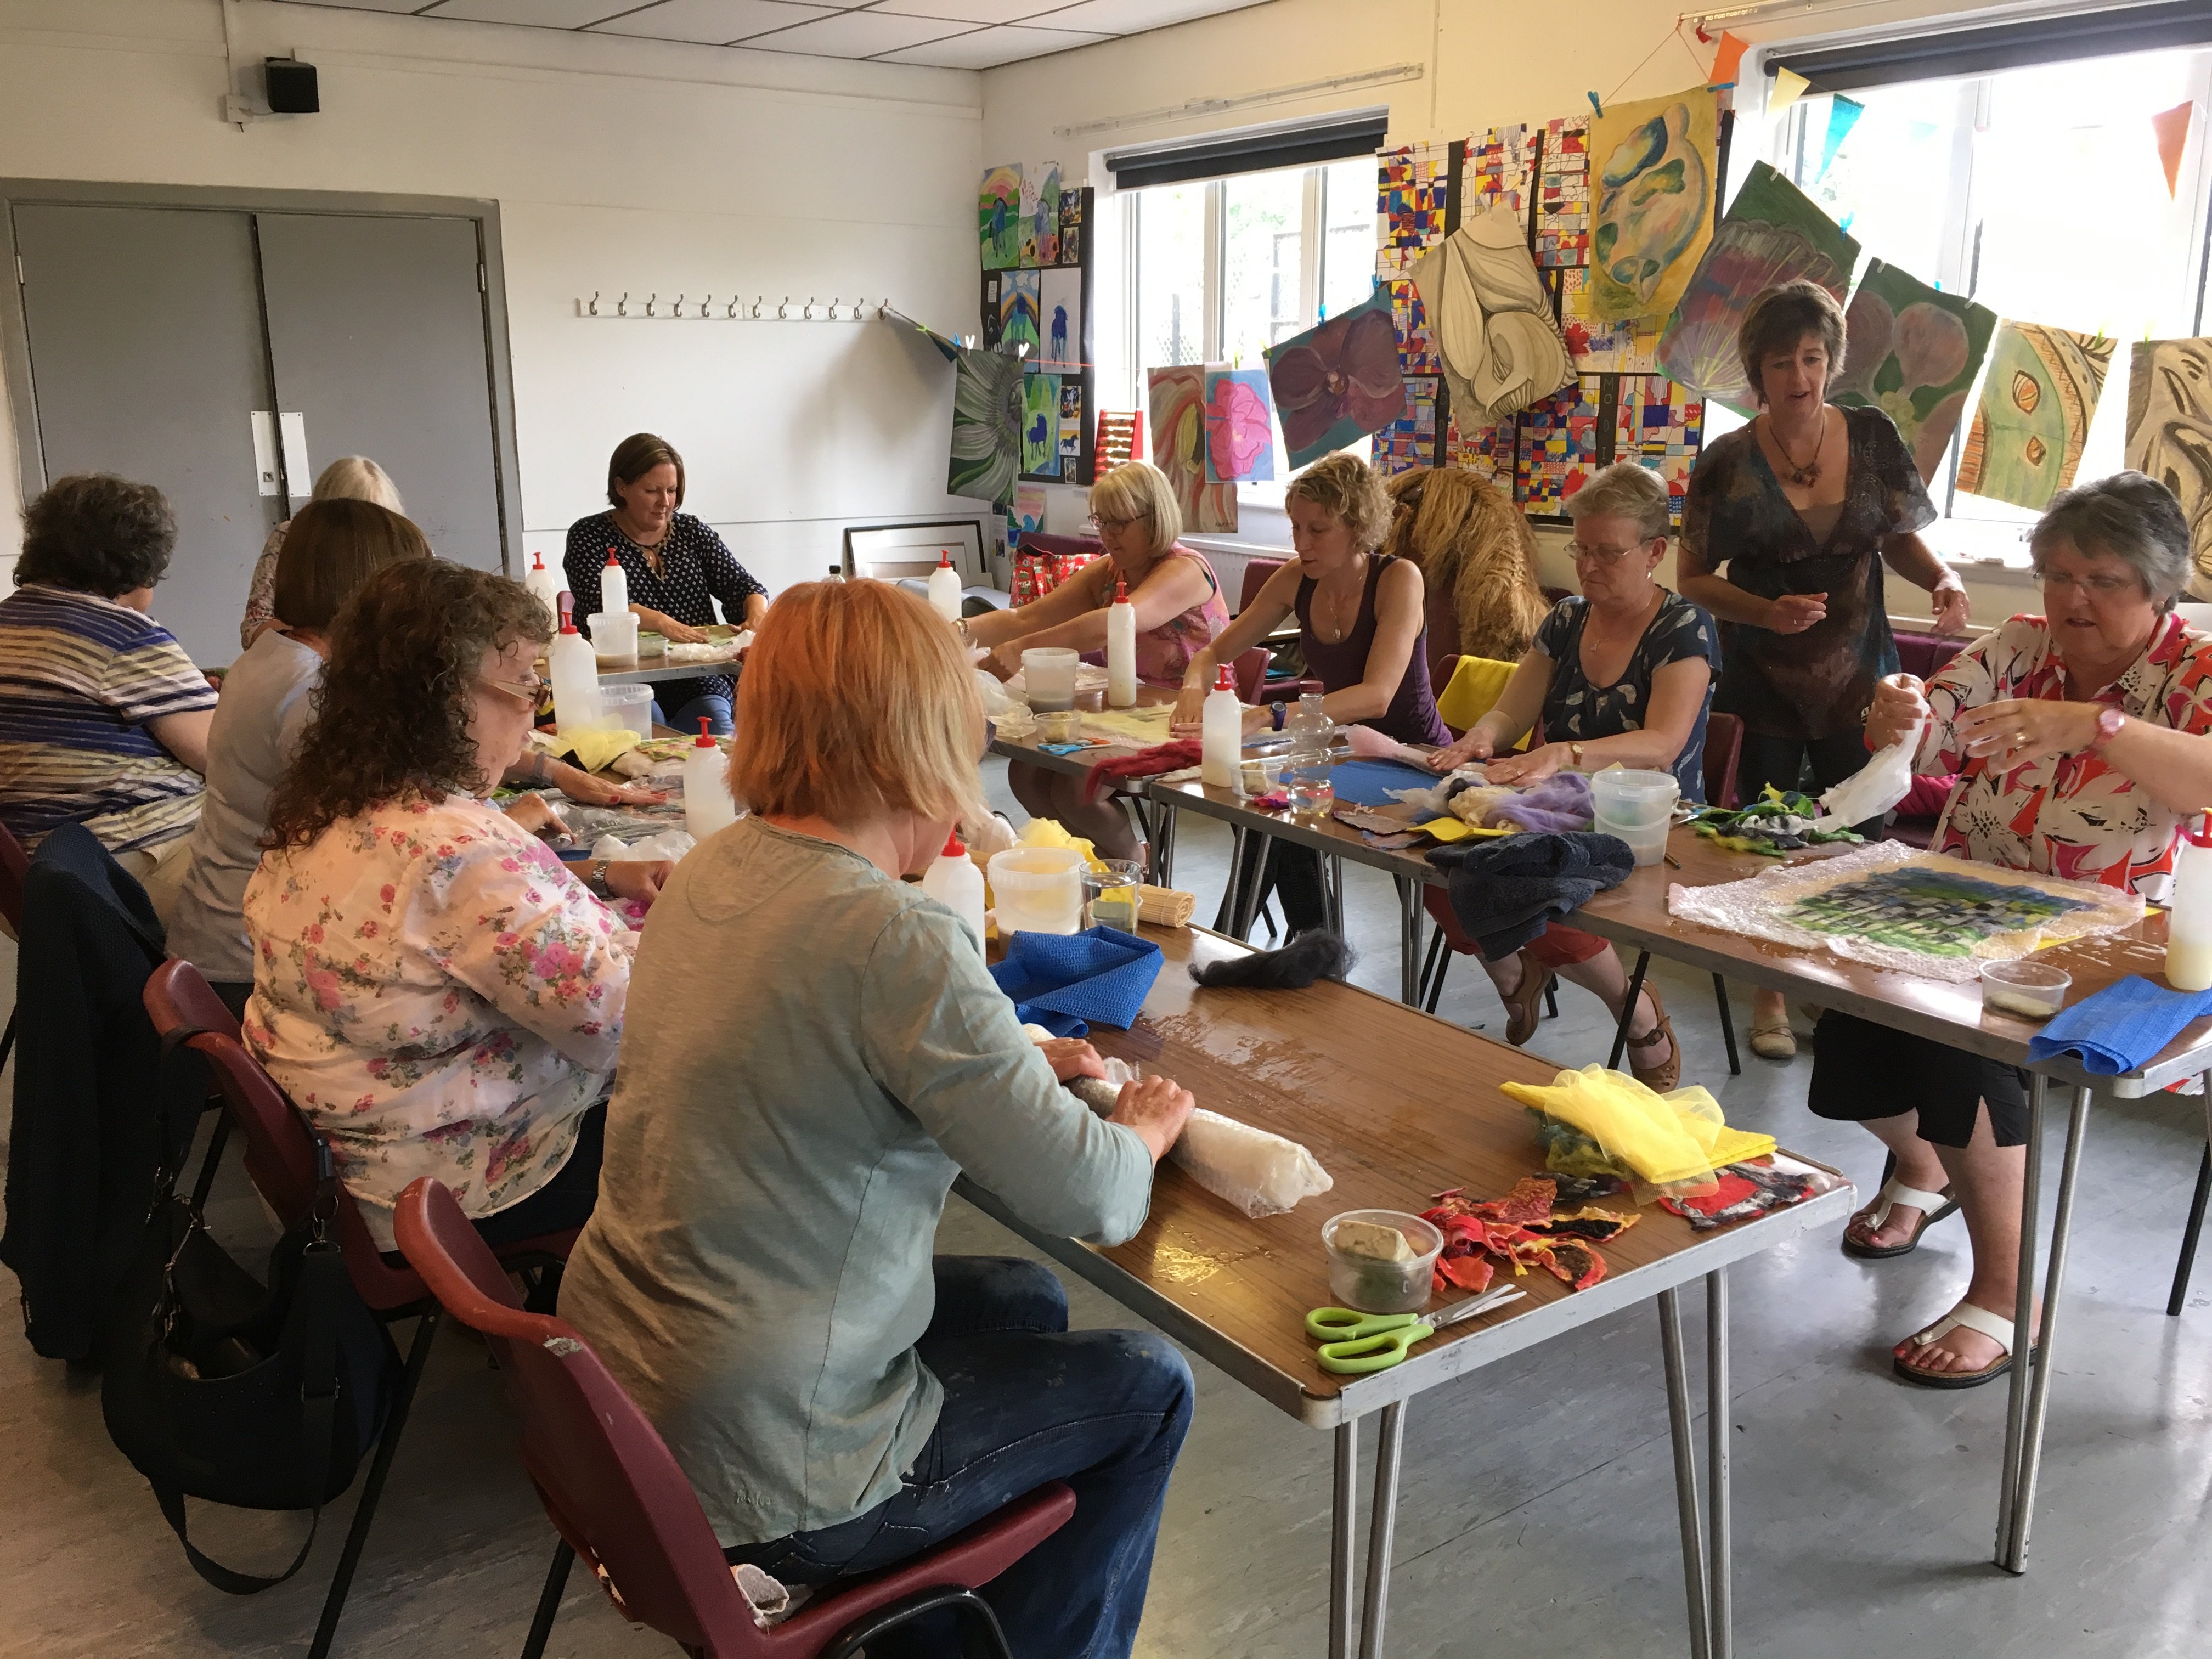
x: 1121, y: 649
x: 1220, y: 733
x: 954, y: 882
x: 2188, y: 922
x: 614, y: 586
x: 945, y: 588
x: 575, y: 667
x: 545, y: 584
x: 707, y: 803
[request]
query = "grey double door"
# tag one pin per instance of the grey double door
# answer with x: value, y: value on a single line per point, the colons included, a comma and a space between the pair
x: 226, y: 357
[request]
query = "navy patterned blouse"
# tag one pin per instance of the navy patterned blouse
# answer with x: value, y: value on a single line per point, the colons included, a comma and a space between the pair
x: 697, y: 564
x: 1575, y: 711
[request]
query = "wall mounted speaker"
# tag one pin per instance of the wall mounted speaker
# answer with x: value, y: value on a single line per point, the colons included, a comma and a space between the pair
x: 292, y: 88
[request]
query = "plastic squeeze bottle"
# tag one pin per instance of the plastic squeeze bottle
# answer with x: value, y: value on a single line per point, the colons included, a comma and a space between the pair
x: 2189, y: 923
x: 1221, y: 734
x: 614, y: 586
x: 1121, y: 649
x: 575, y: 667
x: 545, y: 584
x: 944, y: 589
x: 954, y: 882
x: 707, y: 803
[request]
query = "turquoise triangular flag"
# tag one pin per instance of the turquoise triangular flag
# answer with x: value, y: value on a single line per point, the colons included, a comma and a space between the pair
x: 1843, y: 115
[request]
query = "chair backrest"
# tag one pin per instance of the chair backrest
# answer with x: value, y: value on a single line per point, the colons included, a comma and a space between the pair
x: 1925, y: 654
x: 608, y: 1479
x: 1250, y: 671
x: 14, y: 865
x: 280, y: 1148
x: 1256, y: 572
x: 1723, y: 754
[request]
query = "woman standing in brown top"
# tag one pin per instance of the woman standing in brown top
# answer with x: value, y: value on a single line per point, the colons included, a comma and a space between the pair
x: 1804, y: 507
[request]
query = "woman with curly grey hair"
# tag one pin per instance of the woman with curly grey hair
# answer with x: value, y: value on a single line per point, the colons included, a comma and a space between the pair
x: 2078, y: 738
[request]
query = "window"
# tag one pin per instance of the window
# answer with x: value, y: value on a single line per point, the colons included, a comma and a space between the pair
x: 1222, y: 270
x: 2037, y: 191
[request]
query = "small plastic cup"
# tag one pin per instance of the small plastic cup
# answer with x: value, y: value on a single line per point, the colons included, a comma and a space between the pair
x: 2026, y: 990
x: 1638, y: 806
x: 629, y: 706
x: 1112, y: 893
x: 1037, y: 889
x: 650, y: 644
x: 1372, y: 1285
x: 1259, y: 775
x: 1049, y: 672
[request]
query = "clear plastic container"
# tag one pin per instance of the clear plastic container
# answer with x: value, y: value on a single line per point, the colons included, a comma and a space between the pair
x: 614, y: 636
x: 1111, y: 893
x: 1048, y: 673
x: 2026, y: 990
x: 1037, y: 889
x: 629, y: 705
x: 1259, y: 775
x: 1372, y: 1285
x: 1638, y: 806
x: 1306, y: 765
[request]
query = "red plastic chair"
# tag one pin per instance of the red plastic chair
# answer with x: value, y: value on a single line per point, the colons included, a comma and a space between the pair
x: 279, y: 1159
x: 1256, y: 572
x: 15, y: 866
x: 1724, y: 754
x: 617, y: 1499
x: 1250, y: 671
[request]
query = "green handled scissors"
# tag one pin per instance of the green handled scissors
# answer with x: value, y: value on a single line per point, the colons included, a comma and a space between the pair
x: 1354, y: 1343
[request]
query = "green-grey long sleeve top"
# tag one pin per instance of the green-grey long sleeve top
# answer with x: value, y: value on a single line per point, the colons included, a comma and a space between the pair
x: 811, y: 1053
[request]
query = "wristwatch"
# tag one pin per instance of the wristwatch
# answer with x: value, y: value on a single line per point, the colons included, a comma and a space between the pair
x: 1575, y: 756
x: 1276, y: 710
x: 2109, y: 722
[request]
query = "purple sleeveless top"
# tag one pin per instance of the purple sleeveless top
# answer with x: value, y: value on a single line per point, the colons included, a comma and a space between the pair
x: 1412, y: 716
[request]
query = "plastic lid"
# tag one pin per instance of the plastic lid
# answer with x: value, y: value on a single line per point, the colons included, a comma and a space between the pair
x: 611, y: 559
x: 1121, y: 590
x: 1223, y: 679
x: 2199, y: 832
x: 954, y: 847
x: 538, y: 561
x: 568, y: 612
x: 945, y: 558
x: 704, y: 740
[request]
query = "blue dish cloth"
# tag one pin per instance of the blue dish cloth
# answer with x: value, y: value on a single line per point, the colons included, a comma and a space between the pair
x: 1369, y: 782
x: 2121, y: 1028
x: 1059, y: 980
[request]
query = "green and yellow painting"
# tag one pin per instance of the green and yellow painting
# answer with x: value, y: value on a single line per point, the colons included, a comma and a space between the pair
x: 1040, y: 425
x: 1652, y: 171
x: 2038, y: 399
x: 1912, y: 352
x: 999, y: 217
x: 1936, y: 913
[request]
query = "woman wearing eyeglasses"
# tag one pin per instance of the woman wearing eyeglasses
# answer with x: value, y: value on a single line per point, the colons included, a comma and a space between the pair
x: 1622, y: 676
x: 432, y: 987
x: 1179, y: 607
x: 1805, y: 506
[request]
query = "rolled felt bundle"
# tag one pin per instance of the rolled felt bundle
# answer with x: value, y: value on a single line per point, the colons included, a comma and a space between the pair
x: 1165, y: 906
x: 1262, y: 1174
x: 1315, y: 954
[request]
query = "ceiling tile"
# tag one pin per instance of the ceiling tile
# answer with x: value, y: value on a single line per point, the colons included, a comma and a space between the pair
x: 544, y: 13
x: 969, y: 11
x: 988, y: 48
x: 1128, y: 16
x: 367, y: 5
x: 858, y: 34
x: 713, y: 21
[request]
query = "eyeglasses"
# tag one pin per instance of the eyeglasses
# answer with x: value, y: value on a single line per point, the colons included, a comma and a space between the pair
x: 2097, y: 587
x: 1582, y: 555
x: 1096, y: 524
x: 528, y: 691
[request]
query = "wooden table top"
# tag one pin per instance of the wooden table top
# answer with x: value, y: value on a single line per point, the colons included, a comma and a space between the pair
x: 1397, y: 1105
x: 1025, y: 750
x: 1635, y: 913
x: 1325, y: 834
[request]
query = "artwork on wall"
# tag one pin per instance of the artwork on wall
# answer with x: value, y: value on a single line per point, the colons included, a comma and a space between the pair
x: 1070, y: 428
x: 1596, y: 346
x: 1653, y: 170
x: 1017, y: 311
x: 1602, y: 419
x: 1660, y: 425
x: 1486, y: 449
x: 1414, y: 191
x: 1040, y: 424
x: 1059, y: 318
x: 1912, y: 351
x: 1490, y: 317
x: 1041, y: 236
x: 1029, y: 509
x: 1240, y: 426
x: 2039, y: 395
x: 987, y: 423
x: 1415, y: 438
x: 2170, y: 434
x: 1563, y: 194
x: 1334, y: 384
x: 1498, y: 171
x: 1772, y: 234
x: 999, y: 215
x: 1178, y: 411
x: 1073, y: 215
x: 1559, y: 448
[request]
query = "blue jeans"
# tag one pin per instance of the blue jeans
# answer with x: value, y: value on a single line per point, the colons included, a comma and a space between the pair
x: 716, y: 709
x: 1026, y: 1401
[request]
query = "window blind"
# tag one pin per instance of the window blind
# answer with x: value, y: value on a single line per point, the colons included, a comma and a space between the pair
x: 2017, y: 45
x: 1256, y: 150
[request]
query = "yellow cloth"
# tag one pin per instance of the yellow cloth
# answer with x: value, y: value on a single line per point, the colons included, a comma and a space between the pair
x: 1664, y: 1138
x: 1476, y: 685
x: 596, y: 748
x: 1147, y: 725
x: 1449, y: 830
x: 1047, y: 832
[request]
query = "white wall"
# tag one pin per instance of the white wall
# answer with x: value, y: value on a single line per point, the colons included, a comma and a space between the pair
x: 618, y: 165
x: 1482, y: 63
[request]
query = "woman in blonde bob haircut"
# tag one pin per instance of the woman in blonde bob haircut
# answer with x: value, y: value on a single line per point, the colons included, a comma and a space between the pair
x: 348, y: 478
x: 857, y: 704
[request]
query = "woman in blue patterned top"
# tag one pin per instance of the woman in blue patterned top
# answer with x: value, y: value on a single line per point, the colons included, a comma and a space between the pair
x: 676, y: 565
x: 1622, y: 676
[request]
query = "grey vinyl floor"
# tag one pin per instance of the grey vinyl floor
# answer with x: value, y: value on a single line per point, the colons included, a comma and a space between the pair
x: 1538, y: 1514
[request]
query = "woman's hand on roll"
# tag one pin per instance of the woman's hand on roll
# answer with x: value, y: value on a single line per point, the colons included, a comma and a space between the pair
x: 676, y: 633
x: 1156, y: 1108
x: 1793, y: 613
x: 1071, y: 1058
x: 1189, y: 716
x: 1476, y: 745
x: 1898, y: 707
x: 1522, y: 770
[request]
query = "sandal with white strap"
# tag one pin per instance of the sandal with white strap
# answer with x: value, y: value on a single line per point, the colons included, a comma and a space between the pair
x: 1965, y: 1316
x: 1894, y: 1193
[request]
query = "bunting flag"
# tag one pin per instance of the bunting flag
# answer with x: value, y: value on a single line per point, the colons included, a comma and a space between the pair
x: 1788, y: 87
x: 2172, y: 126
x: 1727, y: 61
x: 1843, y: 115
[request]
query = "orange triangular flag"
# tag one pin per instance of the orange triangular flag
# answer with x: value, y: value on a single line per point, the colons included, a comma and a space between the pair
x: 2172, y: 126
x: 1727, y: 61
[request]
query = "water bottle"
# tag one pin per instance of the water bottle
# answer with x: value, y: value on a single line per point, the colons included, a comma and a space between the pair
x: 837, y: 573
x: 2188, y: 922
x: 1121, y: 650
x: 954, y: 882
x: 575, y: 668
x: 1307, y: 762
x: 614, y: 586
x: 707, y: 803
x: 944, y: 589
x: 1221, y: 734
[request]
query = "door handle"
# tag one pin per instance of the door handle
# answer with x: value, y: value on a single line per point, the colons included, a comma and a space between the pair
x: 264, y: 452
x: 298, y: 476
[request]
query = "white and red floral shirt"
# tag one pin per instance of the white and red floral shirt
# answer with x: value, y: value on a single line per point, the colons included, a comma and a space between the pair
x: 439, y: 996
x: 2074, y: 815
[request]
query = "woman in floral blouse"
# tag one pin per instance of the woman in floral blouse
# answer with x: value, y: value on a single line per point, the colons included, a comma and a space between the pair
x: 433, y: 989
x: 2078, y: 737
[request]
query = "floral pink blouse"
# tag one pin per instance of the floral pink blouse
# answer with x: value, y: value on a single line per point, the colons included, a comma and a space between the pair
x: 439, y: 996
x: 2065, y: 815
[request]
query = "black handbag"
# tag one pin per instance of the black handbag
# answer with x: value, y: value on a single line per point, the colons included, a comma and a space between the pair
x: 220, y: 1388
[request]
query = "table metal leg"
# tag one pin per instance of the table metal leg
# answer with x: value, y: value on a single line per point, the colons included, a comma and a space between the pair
x: 2030, y: 1206
x: 1628, y: 1010
x: 1239, y: 838
x: 1253, y: 892
x: 1382, y: 1530
x: 1685, y: 1472
x: 2038, y: 1399
x: 1721, y: 1563
x: 2186, y: 1262
x: 1342, y: 1527
x: 1334, y: 881
x: 1411, y: 916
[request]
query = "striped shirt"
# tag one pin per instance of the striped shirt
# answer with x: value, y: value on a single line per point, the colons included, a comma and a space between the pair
x: 80, y: 677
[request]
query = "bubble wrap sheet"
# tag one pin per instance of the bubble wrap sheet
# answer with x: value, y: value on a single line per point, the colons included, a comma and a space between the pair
x: 1893, y: 906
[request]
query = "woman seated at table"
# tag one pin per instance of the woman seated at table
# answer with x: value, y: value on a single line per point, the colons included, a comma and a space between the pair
x: 103, y: 718
x: 675, y: 564
x: 348, y: 478
x: 2079, y: 737
x: 1179, y: 609
x: 758, y: 1274
x: 1361, y: 627
x: 432, y: 987
x: 1621, y: 675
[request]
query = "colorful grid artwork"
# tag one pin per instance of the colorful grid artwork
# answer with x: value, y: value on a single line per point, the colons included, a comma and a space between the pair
x: 1562, y: 215
x: 1412, y: 440
x: 1485, y: 450
x: 1629, y: 348
x: 1559, y: 448
x: 1660, y: 425
x: 1498, y: 168
x: 1416, y: 347
x: 1413, y: 185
